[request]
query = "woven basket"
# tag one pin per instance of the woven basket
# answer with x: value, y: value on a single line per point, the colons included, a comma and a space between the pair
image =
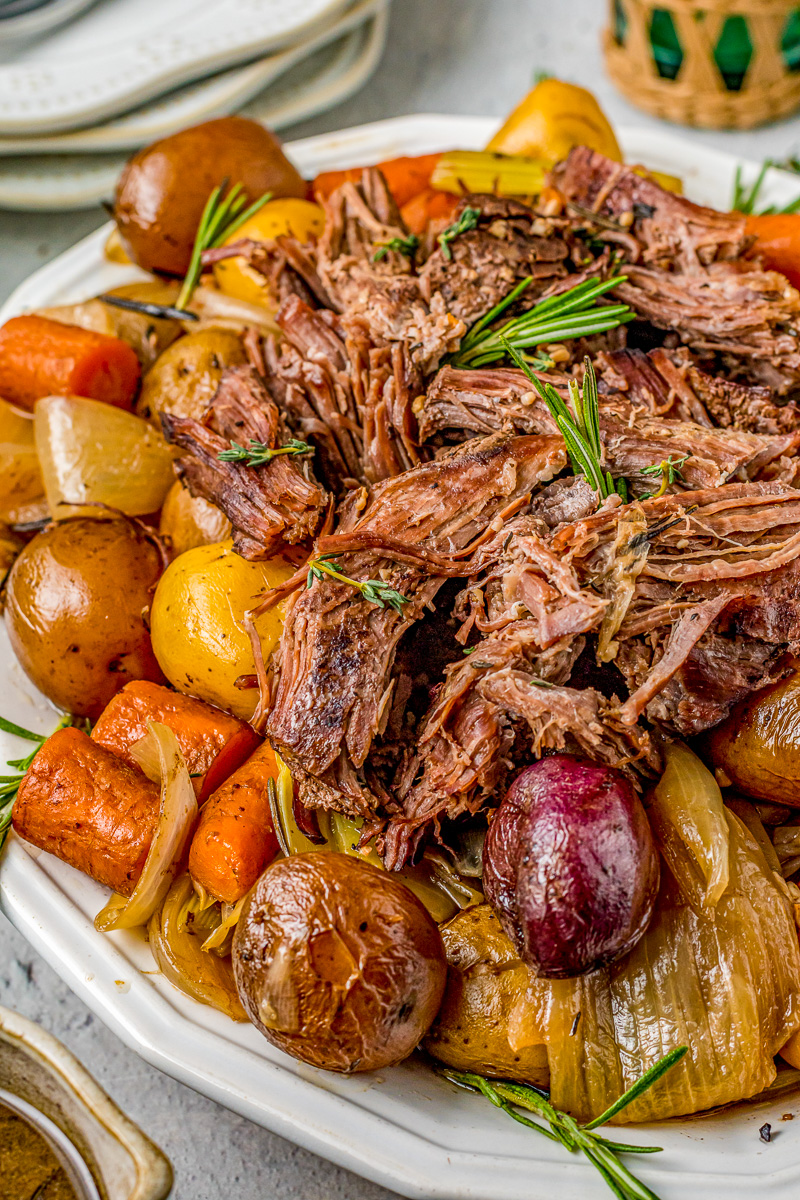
x: 700, y: 93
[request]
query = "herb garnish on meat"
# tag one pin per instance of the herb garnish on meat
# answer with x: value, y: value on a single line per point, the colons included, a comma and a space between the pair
x: 572, y: 314
x: 466, y: 221
x: 669, y: 469
x: 258, y: 455
x: 407, y: 246
x: 375, y: 590
x: 601, y: 1152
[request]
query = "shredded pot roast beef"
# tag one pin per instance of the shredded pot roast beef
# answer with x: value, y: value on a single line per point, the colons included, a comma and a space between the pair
x: 530, y: 614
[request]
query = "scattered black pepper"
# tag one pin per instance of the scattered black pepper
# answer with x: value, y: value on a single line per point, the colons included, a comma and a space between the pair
x: 765, y: 1132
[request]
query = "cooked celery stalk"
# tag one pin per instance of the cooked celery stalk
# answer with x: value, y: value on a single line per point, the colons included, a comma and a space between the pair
x: 461, y: 171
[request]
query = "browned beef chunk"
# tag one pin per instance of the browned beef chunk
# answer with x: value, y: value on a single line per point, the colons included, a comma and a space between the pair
x: 268, y: 505
x: 337, y: 649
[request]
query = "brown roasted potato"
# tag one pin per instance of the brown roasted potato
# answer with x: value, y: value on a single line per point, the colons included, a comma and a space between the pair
x: 185, y: 377
x: 486, y: 1021
x: 338, y: 963
x: 163, y: 189
x: 74, y: 603
x: 758, y: 746
x: 147, y: 336
x: 188, y: 521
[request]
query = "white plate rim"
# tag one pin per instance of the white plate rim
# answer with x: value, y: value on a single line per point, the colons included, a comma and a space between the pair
x: 51, y: 904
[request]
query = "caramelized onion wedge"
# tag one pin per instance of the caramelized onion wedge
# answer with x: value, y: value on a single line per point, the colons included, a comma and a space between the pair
x: 688, y: 817
x: 175, y: 823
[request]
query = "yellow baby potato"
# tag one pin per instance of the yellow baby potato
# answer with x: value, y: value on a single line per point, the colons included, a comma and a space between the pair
x: 299, y: 218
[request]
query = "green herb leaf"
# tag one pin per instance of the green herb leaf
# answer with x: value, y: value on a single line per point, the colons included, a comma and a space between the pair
x: 744, y: 198
x: 376, y: 591
x: 572, y: 314
x: 669, y: 469
x: 407, y: 246
x: 258, y: 454
x: 222, y: 217
x: 466, y: 221
x: 601, y: 1152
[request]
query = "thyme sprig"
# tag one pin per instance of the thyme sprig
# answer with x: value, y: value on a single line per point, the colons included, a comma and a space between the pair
x: 407, y: 246
x: 670, y: 471
x: 572, y: 314
x: 579, y: 425
x: 602, y: 1153
x: 258, y: 454
x: 467, y: 220
x: 221, y: 218
x: 9, y: 784
x: 375, y: 590
x: 745, y: 198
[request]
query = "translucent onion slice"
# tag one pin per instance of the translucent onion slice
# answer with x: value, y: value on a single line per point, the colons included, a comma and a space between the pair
x: 688, y: 817
x: 21, y: 484
x: 218, y: 310
x: 92, y: 453
x: 724, y: 981
x: 177, y: 948
x: 175, y: 823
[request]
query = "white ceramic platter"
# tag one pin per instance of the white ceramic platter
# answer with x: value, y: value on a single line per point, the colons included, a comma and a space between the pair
x: 404, y: 1128
x: 212, y: 97
x: 327, y: 77
x: 121, y: 54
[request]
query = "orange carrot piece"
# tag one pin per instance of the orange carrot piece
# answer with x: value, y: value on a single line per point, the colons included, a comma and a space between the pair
x: 39, y: 357
x: 235, y: 837
x: 778, y: 242
x: 93, y: 811
x: 405, y: 176
x: 213, y: 743
x: 428, y: 205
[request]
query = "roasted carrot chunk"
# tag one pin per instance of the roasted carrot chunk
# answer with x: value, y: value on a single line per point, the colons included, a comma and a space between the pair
x: 93, y: 811
x: 212, y: 742
x: 778, y: 242
x: 405, y: 176
x: 428, y: 205
x: 235, y: 837
x: 39, y: 357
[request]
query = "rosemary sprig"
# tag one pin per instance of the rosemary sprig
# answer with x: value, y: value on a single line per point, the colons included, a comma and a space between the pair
x: 572, y: 314
x: 407, y: 246
x: 466, y: 221
x: 744, y: 198
x: 9, y: 784
x: 222, y: 216
x: 258, y: 454
x: 162, y: 311
x: 669, y: 469
x: 601, y: 1152
x: 375, y: 590
x: 579, y: 426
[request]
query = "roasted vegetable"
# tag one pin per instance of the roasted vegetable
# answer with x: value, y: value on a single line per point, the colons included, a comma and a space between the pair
x: 196, y: 622
x: 777, y: 242
x: 93, y: 455
x: 44, y: 358
x: 722, y: 980
x: 235, y: 839
x: 147, y: 335
x: 175, y: 934
x: 428, y: 206
x: 187, y: 521
x: 406, y: 177
x: 299, y: 219
x: 83, y: 804
x: 21, y: 485
x: 163, y: 189
x: 74, y: 604
x: 757, y: 748
x: 213, y: 743
x: 570, y: 866
x: 337, y: 963
x: 185, y: 377
x: 554, y: 117
x: 462, y: 171
x: 487, y: 1021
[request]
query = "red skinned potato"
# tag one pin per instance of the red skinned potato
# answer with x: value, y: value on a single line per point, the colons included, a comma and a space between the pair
x: 163, y: 189
x: 337, y: 963
x: 570, y: 866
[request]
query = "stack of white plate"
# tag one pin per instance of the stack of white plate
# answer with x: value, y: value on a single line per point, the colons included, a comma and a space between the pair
x: 76, y: 99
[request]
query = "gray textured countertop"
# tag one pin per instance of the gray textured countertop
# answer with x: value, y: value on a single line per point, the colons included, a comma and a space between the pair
x: 461, y: 56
